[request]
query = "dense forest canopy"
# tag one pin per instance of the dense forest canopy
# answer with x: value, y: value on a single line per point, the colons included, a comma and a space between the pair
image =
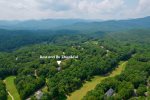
x: 99, y: 52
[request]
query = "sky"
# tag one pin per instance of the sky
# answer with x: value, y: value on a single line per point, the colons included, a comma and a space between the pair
x: 73, y: 9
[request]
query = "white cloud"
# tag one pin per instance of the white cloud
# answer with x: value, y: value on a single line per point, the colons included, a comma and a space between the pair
x: 142, y: 9
x: 84, y: 8
x: 21, y: 9
x: 99, y: 9
x: 103, y: 9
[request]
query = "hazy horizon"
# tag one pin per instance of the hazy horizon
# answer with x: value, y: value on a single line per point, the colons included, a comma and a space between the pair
x: 100, y: 20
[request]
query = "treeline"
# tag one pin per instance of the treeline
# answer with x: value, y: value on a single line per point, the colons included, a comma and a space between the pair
x: 3, y: 92
x: 27, y: 85
x: 132, y: 84
x: 7, y: 65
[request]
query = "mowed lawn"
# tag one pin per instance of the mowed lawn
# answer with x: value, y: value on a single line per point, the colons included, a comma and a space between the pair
x: 90, y: 85
x: 9, y: 81
x: 9, y: 97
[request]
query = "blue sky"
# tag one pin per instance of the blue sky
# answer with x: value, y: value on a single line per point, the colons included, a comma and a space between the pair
x: 131, y: 2
x: 83, y: 9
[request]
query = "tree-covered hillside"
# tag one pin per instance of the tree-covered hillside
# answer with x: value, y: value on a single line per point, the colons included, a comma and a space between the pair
x: 12, y: 39
x: 96, y: 48
x: 98, y: 52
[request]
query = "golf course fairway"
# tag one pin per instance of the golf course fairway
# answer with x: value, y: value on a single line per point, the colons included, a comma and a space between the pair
x: 90, y: 85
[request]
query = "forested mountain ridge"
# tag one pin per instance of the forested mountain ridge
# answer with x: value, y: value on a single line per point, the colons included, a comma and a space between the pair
x: 76, y: 24
x: 26, y: 36
x: 112, y: 25
x: 44, y: 24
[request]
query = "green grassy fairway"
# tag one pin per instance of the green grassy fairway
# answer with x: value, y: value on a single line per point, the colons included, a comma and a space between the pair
x: 89, y: 85
x: 9, y: 81
x: 9, y: 98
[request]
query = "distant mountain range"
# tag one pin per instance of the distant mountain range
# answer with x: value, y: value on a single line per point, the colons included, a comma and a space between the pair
x: 38, y: 24
x: 76, y: 24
